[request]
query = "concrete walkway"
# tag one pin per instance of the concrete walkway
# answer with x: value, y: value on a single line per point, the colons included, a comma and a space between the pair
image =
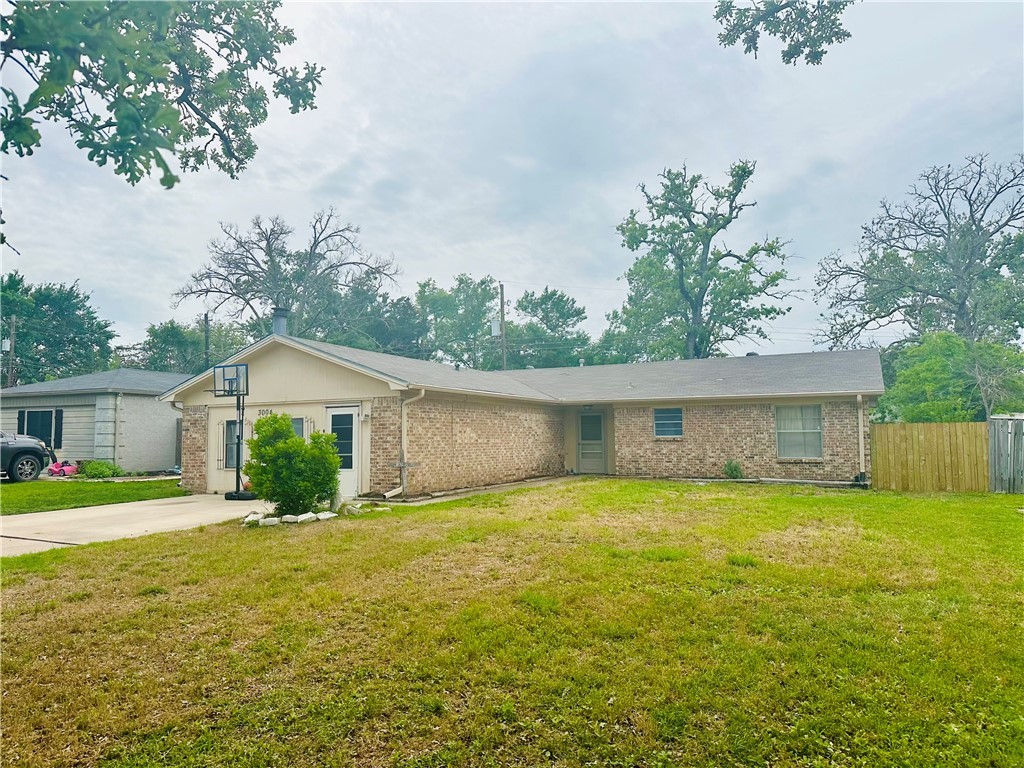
x: 38, y: 531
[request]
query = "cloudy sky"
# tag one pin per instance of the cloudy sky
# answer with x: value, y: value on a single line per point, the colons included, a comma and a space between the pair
x: 509, y: 140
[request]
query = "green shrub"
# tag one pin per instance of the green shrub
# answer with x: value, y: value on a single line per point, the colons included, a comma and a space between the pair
x: 100, y: 470
x: 293, y: 475
x: 733, y: 470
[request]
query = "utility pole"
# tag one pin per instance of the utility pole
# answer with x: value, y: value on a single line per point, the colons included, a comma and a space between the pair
x: 11, y: 380
x: 206, y: 329
x: 504, y: 342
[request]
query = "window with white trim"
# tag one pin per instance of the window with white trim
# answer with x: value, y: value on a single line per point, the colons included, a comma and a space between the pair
x: 798, y: 431
x: 230, y: 444
x: 299, y: 425
x: 668, y: 422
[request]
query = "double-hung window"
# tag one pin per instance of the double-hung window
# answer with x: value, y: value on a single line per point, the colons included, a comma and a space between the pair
x: 299, y: 426
x: 798, y: 431
x: 668, y: 422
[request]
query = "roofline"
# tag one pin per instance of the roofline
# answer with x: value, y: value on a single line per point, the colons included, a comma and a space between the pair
x: 402, y: 384
x: 750, y: 396
x: 487, y: 393
x: 87, y: 391
x: 289, y: 341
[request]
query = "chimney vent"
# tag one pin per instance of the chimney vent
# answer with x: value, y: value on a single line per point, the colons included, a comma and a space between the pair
x: 281, y: 321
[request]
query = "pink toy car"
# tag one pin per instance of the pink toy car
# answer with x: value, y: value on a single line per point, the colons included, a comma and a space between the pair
x: 63, y: 469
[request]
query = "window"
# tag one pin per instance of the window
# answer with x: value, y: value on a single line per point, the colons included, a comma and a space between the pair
x: 47, y: 425
x: 798, y: 428
x: 342, y: 426
x: 299, y: 425
x: 668, y: 422
x: 230, y: 444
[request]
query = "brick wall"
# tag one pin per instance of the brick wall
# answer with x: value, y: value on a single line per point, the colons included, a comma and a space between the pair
x: 459, y: 443
x: 385, y: 443
x: 714, y: 434
x: 194, y: 436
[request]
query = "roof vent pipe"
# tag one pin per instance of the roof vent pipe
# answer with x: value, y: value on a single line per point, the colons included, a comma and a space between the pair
x: 280, y: 319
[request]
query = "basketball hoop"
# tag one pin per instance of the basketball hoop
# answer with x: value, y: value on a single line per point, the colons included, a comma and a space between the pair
x: 233, y: 381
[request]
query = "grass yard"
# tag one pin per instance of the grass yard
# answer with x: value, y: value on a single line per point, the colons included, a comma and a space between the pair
x: 41, y: 496
x: 596, y: 622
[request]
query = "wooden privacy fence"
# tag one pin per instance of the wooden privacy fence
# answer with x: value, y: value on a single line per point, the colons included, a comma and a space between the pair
x: 1006, y: 454
x: 930, y: 457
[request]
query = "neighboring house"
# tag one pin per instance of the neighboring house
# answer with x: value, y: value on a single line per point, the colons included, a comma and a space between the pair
x: 414, y: 426
x: 111, y: 415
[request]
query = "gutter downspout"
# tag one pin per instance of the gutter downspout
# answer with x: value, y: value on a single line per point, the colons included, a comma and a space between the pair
x: 860, y: 436
x: 403, y: 465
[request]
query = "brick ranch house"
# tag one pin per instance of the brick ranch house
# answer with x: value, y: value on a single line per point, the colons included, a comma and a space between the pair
x: 797, y: 416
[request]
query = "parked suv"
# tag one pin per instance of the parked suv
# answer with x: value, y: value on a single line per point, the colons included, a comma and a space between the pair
x: 22, y: 457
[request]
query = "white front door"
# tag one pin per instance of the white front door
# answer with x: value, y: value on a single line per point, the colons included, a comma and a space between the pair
x: 344, y: 423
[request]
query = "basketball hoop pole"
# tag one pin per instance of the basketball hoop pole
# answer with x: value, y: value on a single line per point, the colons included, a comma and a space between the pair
x: 240, y: 407
x: 234, y: 380
x: 238, y: 494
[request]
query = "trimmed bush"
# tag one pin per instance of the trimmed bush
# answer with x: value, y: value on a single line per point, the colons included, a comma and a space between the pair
x: 293, y: 475
x: 733, y: 470
x: 100, y: 470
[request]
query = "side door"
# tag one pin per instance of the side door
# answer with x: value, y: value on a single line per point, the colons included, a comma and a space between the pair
x: 344, y: 425
x: 591, y: 444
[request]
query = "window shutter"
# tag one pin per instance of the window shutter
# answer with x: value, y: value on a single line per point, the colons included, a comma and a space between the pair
x: 21, y: 422
x: 58, y: 428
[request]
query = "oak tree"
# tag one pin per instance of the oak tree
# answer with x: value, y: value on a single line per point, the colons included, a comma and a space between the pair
x: 950, y: 256
x: 720, y: 294
x: 251, y: 272
x: 134, y: 83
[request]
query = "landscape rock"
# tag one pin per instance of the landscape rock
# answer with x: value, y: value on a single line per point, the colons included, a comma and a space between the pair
x: 252, y: 517
x: 289, y: 518
x: 305, y: 518
x: 326, y: 516
x: 269, y: 521
x: 348, y: 509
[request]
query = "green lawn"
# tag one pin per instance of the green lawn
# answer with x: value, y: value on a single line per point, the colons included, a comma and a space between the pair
x: 597, y: 622
x: 43, y: 495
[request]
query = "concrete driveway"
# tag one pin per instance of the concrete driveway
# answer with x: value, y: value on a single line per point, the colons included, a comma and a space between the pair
x: 37, y: 531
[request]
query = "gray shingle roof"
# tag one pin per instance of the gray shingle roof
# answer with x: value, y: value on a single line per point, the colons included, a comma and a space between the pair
x: 126, y: 380
x: 810, y: 373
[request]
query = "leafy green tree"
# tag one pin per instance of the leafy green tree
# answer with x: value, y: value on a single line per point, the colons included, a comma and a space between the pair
x: 651, y: 325
x: 250, y: 273
x: 289, y: 472
x: 945, y: 377
x: 458, y: 322
x: 805, y: 27
x: 57, y: 333
x: 720, y: 295
x: 550, y: 337
x: 367, y: 317
x: 949, y: 257
x: 136, y: 82
x: 181, y: 348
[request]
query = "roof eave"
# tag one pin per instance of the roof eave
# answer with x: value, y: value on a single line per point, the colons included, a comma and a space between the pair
x: 751, y: 396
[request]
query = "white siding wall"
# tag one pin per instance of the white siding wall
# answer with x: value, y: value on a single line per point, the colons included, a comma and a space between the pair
x: 79, y: 421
